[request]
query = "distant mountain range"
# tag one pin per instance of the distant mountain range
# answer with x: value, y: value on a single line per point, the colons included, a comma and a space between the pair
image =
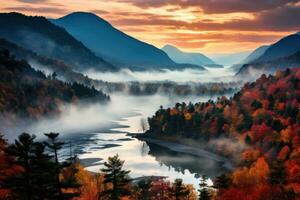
x: 256, y: 54
x: 183, y: 57
x: 229, y: 59
x: 114, y: 45
x: 283, y: 48
x: 267, y: 59
x: 41, y: 36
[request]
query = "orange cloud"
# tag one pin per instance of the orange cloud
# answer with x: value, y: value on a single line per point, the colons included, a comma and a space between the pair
x: 207, y: 26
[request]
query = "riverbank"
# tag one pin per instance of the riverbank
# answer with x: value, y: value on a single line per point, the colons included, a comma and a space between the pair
x: 186, y: 147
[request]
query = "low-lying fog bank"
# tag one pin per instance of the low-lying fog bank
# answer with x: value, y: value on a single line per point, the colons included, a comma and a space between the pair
x: 95, y: 117
x: 187, y: 75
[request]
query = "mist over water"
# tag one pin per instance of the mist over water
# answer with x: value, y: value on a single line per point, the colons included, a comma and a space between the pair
x: 97, y: 131
x: 180, y: 76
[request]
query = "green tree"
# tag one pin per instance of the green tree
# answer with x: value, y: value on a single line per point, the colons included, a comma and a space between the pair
x: 222, y: 182
x: 42, y: 172
x: 144, y: 186
x: 178, y: 190
x: 21, y: 183
x: 118, y: 177
x: 204, y: 193
x: 68, y: 182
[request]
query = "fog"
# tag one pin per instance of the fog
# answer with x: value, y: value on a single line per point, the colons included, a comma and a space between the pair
x: 186, y: 75
x: 89, y: 118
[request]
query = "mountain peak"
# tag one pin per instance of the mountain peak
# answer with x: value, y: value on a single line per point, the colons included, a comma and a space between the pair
x: 84, y: 17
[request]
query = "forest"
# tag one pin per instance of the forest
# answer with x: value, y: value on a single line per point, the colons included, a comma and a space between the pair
x: 25, y: 92
x: 264, y: 118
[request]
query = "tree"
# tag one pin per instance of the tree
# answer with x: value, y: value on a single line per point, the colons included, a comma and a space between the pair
x: 204, y: 189
x: 144, y: 185
x: 117, y: 177
x: 43, y: 171
x: 21, y: 184
x: 222, y: 182
x: 178, y: 190
x: 69, y: 182
x: 277, y: 173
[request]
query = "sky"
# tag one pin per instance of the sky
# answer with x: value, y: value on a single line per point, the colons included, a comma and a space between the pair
x: 206, y: 26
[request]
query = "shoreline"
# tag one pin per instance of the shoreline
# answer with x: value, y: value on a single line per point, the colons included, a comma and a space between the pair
x: 184, y: 148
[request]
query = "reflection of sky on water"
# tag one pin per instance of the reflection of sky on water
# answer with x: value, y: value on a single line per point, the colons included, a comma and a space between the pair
x: 143, y: 161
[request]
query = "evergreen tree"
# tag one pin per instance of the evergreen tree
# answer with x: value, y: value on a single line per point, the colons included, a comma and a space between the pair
x: 43, y: 179
x: 117, y: 177
x: 178, y: 190
x: 144, y: 186
x: 222, y: 182
x: 21, y: 183
x: 204, y: 189
x: 69, y: 183
x: 277, y: 173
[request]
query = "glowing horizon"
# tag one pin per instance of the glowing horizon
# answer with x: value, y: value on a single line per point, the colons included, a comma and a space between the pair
x: 206, y: 26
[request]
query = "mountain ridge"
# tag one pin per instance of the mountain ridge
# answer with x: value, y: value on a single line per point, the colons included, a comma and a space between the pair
x: 40, y: 35
x: 180, y: 56
x: 112, y: 44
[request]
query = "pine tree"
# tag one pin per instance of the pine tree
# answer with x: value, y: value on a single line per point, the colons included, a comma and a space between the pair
x: 70, y: 182
x: 21, y: 183
x: 222, y: 182
x: 117, y: 177
x: 178, y: 190
x: 204, y: 189
x: 43, y: 179
x: 144, y: 186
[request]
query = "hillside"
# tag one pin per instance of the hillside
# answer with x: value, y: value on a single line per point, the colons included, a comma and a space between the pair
x: 254, y: 70
x: 41, y: 36
x: 285, y: 47
x: 258, y: 128
x: 113, y: 45
x: 256, y: 54
x: 183, y: 57
x: 25, y: 92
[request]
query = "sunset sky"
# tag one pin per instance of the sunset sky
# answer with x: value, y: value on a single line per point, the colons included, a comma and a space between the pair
x: 207, y: 26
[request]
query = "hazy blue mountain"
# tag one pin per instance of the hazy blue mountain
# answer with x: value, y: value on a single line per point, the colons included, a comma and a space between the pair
x: 256, y: 54
x: 182, y: 57
x: 112, y: 44
x: 41, y: 36
x: 254, y: 70
x: 229, y: 59
x: 285, y: 47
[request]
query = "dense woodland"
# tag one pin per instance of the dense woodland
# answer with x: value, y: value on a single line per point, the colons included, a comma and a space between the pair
x: 26, y: 92
x: 263, y: 118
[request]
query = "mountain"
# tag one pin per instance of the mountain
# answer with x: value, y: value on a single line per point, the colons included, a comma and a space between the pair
x: 183, y: 57
x: 283, y: 48
x: 253, y: 56
x: 112, y: 44
x: 256, y: 54
x: 229, y: 59
x: 254, y: 70
x: 41, y: 36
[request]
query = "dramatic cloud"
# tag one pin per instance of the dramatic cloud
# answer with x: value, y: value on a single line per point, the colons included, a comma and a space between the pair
x: 203, y: 26
x: 215, y: 6
x: 37, y: 9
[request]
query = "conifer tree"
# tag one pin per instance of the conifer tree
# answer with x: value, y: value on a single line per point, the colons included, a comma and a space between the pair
x: 178, y: 190
x: 69, y: 183
x: 21, y: 183
x: 118, y: 177
x: 204, y: 189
